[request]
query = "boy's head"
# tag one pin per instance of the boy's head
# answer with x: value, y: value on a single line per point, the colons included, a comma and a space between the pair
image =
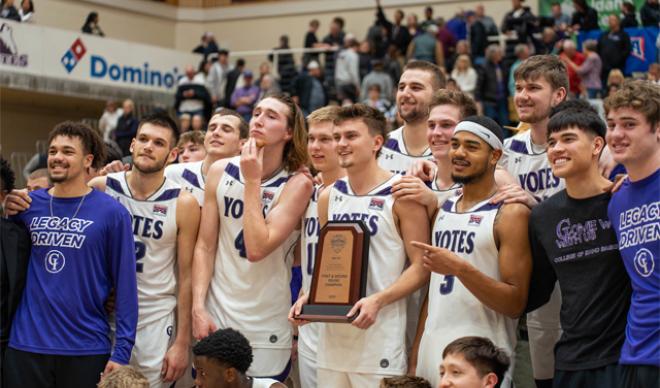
x: 576, y: 137
x: 38, y: 179
x: 473, y: 362
x: 447, y: 108
x: 404, y: 382
x: 154, y: 145
x: 124, y: 377
x: 222, y: 358
x: 191, y: 146
x: 541, y: 82
x: 360, y: 134
x: 225, y: 134
x: 321, y: 144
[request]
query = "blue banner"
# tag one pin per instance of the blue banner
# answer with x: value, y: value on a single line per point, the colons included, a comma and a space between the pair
x: 644, y: 50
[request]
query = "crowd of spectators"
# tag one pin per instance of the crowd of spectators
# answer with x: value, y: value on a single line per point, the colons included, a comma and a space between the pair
x: 24, y: 14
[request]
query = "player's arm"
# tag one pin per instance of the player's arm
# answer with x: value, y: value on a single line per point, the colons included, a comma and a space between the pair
x: 99, y: 183
x: 543, y: 277
x: 510, y: 191
x: 413, y: 226
x: 204, y: 253
x: 187, y: 219
x: 411, y: 188
x: 423, y: 314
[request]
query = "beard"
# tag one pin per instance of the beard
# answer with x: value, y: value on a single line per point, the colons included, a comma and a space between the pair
x: 536, y: 116
x: 414, y: 115
x: 158, y: 166
x: 466, y: 180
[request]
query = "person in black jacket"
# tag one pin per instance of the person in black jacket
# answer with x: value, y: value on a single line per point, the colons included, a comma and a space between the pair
x: 491, y: 87
x: 629, y: 19
x: 232, y: 79
x: 308, y: 91
x: 8, y: 11
x: 478, y: 38
x: 91, y: 25
x: 584, y: 18
x: 397, y: 34
x: 126, y: 129
x: 613, y: 47
x: 14, y: 257
x: 650, y: 13
x: 286, y: 65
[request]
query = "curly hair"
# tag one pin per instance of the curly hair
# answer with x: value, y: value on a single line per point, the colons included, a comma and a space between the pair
x: 124, y: 377
x: 405, y: 382
x: 7, y: 177
x: 228, y: 346
x: 90, y: 139
x: 641, y: 96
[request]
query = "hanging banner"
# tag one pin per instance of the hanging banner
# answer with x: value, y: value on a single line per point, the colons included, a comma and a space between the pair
x: 604, y: 7
x: 643, y: 52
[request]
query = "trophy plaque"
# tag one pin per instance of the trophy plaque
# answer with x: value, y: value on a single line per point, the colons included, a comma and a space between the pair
x: 340, y: 272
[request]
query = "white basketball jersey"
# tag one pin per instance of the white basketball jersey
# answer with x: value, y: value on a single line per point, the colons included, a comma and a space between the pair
x: 453, y: 311
x: 444, y: 194
x: 263, y: 383
x: 188, y: 176
x: 530, y: 166
x: 381, y: 348
x: 155, y: 233
x: 253, y: 298
x: 308, y: 334
x: 394, y: 156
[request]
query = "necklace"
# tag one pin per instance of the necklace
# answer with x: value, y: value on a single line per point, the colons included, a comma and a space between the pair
x: 77, y: 209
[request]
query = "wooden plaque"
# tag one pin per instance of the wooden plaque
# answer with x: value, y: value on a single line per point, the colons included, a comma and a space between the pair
x: 340, y: 272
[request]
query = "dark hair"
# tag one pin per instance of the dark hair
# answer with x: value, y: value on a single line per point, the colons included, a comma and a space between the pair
x: 227, y: 346
x: 162, y: 120
x: 438, y: 77
x: 90, y: 139
x: 371, y: 117
x: 91, y: 17
x: 405, y: 382
x: 31, y: 9
x: 628, y: 7
x: 339, y: 21
x: 460, y: 99
x: 576, y: 113
x: 314, y: 23
x: 195, y: 137
x: 554, y: 3
x: 7, y: 176
x: 243, y: 126
x: 641, y: 96
x: 550, y: 67
x: 481, y: 353
x: 240, y: 62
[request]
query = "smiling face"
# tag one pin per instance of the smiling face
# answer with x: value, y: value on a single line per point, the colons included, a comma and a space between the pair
x: 414, y: 95
x: 269, y: 122
x: 67, y: 159
x: 356, y: 146
x: 632, y: 140
x: 471, y: 158
x: 322, y: 147
x: 457, y: 372
x: 572, y: 151
x: 152, y: 148
x: 222, y: 137
x: 441, y: 123
x: 535, y: 98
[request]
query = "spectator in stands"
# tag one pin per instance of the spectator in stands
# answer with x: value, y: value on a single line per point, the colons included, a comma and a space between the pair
x: 462, y: 48
x: 125, y: 376
x: 379, y: 77
x: 561, y: 20
x: 522, y: 52
x: 38, y: 180
x: 549, y: 42
x: 397, y: 33
x: 613, y: 47
x: 585, y: 18
x: 184, y: 122
x: 464, y: 74
x: 428, y: 18
x: 487, y: 21
x: 9, y: 11
x: 589, y: 70
x: 615, y: 80
x: 393, y: 63
x: 519, y: 22
x: 569, y: 52
x: 311, y: 41
x: 191, y: 147
x: 650, y: 13
x: 244, y: 98
x: 308, y: 90
x: 375, y: 100
x: 491, y: 87
x: 216, y: 80
x: 233, y: 78
x: 378, y: 40
x: 426, y: 47
x: 478, y: 38
x: 286, y: 66
x: 335, y: 40
x: 91, y: 25
x: 207, y: 45
x: 653, y: 74
x: 127, y: 125
x: 457, y: 26
x: 197, y: 123
x: 629, y: 19
x: 26, y: 11
x: 192, y: 97
x: 413, y: 28
x: 447, y: 40
x: 365, y: 54
x: 347, y: 71
x: 109, y: 118
x: 268, y: 85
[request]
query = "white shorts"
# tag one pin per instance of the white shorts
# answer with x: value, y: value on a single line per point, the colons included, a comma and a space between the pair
x: 307, y: 369
x: 544, y: 330
x: 151, y: 344
x: 269, y: 362
x: 337, y: 379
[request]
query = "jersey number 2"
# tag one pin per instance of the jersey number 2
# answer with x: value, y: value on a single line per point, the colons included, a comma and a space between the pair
x: 140, y: 251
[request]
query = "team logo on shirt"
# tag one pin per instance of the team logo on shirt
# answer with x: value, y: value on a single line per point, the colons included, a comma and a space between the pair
x: 54, y: 261
x: 644, y: 262
x: 160, y: 210
x: 475, y: 220
x: 267, y: 197
x: 376, y: 204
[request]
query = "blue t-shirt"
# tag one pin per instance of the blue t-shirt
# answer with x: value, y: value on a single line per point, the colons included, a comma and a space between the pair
x: 74, y: 264
x: 635, y: 213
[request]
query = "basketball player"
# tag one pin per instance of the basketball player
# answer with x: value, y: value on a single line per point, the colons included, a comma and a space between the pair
x: 480, y: 255
x: 222, y: 360
x: 322, y: 150
x: 541, y: 83
x: 224, y: 137
x: 573, y: 242
x: 191, y: 147
x: 473, y: 362
x: 420, y: 79
x: 252, y: 205
x: 361, y: 353
x: 633, y: 134
x: 82, y: 247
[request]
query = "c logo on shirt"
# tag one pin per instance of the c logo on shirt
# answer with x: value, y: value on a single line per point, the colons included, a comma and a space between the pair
x: 54, y: 261
x: 644, y: 262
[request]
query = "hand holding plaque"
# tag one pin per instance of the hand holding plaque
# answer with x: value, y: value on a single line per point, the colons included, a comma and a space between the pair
x: 340, y: 272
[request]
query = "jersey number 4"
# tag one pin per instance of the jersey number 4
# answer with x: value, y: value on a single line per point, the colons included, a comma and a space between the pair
x: 239, y: 244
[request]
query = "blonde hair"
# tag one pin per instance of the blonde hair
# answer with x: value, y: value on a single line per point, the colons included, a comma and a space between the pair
x: 615, y: 73
x: 124, y: 377
x: 321, y: 115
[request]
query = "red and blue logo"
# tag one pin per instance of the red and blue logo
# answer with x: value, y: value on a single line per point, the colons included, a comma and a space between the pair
x: 73, y: 55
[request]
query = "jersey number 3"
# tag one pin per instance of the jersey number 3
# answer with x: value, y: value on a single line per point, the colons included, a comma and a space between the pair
x: 447, y: 285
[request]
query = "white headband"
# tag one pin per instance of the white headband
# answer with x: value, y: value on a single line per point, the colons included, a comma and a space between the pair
x: 482, y: 132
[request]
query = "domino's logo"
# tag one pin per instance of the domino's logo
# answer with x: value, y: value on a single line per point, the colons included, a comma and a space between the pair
x: 73, y: 55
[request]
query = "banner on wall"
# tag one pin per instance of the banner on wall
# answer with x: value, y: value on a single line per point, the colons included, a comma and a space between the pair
x: 643, y: 52
x: 69, y: 55
x: 604, y: 7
